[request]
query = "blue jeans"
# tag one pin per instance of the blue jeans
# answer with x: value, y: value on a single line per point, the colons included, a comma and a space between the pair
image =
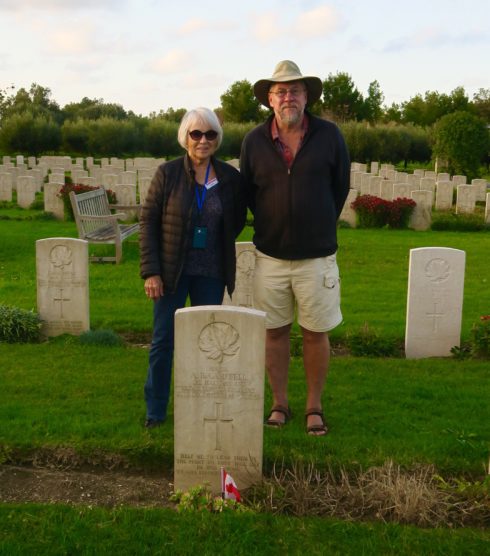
x: 202, y: 291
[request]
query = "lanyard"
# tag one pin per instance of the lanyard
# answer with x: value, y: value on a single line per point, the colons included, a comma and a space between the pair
x: 200, y: 197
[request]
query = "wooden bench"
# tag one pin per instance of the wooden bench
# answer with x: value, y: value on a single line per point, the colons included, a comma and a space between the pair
x: 97, y: 224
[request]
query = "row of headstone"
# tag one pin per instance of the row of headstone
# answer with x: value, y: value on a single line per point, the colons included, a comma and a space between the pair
x: 218, y: 370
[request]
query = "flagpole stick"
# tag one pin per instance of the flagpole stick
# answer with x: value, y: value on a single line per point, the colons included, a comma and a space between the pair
x: 222, y: 483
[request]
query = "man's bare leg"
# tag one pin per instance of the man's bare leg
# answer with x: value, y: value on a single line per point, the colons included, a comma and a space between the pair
x: 277, y: 363
x: 316, y: 357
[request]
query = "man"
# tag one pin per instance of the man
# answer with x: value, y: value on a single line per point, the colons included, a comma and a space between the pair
x: 296, y: 169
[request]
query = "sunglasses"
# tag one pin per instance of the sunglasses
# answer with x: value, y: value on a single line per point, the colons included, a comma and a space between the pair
x: 196, y: 135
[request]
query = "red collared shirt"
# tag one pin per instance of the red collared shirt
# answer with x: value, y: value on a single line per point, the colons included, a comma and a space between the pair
x: 282, y: 148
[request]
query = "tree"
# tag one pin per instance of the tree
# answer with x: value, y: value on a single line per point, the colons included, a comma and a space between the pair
x: 93, y: 109
x: 341, y: 99
x: 36, y: 101
x: 426, y: 111
x: 373, y: 109
x: 26, y: 133
x: 462, y: 139
x: 170, y: 115
x: 239, y: 104
x: 481, y: 104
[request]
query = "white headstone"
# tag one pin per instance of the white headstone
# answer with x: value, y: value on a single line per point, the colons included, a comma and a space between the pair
x: 57, y: 177
x: 5, y: 186
x: 26, y: 191
x: 374, y: 167
x: 348, y: 214
x: 245, y: 266
x: 62, y: 285
x: 487, y: 209
x: 443, y: 176
x: 435, y: 301
x: 421, y: 216
x: 459, y: 180
x: 365, y: 181
x: 53, y: 203
x: 444, y: 195
x: 386, y: 190
x: 480, y: 189
x: 402, y: 190
x: 465, y: 199
x: 128, y: 178
x: 143, y: 186
x: 218, y: 395
x: 375, y: 185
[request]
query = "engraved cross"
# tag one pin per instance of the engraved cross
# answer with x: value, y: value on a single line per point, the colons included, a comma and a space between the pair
x: 435, y: 315
x: 61, y: 299
x: 217, y: 419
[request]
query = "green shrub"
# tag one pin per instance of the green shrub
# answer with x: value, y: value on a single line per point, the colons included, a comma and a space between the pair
x: 374, y: 212
x: 480, y: 338
x: 369, y: 343
x: 18, y: 325
x: 101, y: 338
x: 450, y: 221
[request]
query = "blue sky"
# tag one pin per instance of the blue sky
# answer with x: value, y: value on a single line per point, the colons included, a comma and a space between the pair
x: 150, y: 55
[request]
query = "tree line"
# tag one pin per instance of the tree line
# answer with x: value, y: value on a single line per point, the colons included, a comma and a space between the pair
x: 435, y: 124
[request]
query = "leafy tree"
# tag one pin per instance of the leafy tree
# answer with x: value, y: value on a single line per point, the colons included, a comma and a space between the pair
x: 36, y: 101
x: 170, y: 115
x: 393, y: 113
x: 373, y: 109
x: 26, y: 133
x: 341, y: 99
x: 462, y: 139
x: 481, y: 104
x: 94, y: 109
x: 239, y: 104
x: 426, y: 111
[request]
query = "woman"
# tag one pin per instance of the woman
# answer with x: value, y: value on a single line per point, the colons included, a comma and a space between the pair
x: 193, y: 212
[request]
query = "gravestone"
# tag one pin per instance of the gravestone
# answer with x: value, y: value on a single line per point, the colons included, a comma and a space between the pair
x: 419, y: 172
x: 92, y: 182
x: 235, y: 162
x: 355, y: 181
x: 401, y: 177
x: 386, y: 190
x: 401, y: 190
x: 26, y: 191
x: 53, y: 203
x: 414, y: 181
x: 218, y: 395
x: 62, y: 285
x: 435, y: 301
x: 375, y: 185
x: 19, y: 160
x: 128, y: 178
x: 348, y: 214
x: 480, y: 189
x: 430, y: 174
x: 109, y: 181
x: 459, y: 180
x: 427, y: 184
x: 56, y: 177
x: 421, y: 217
x: 365, y: 181
x: 487, y: 209
x: 444, y: 195
x: 443, y: 176
x: 5, y: 186
x: 245, y: 266
x: 143, y: 186
x: 465, y: 199
x: 374, y: 167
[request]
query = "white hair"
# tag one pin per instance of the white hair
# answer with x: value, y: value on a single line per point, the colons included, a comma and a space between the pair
x: 198, y: 116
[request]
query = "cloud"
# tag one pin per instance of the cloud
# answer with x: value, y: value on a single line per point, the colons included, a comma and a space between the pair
x: 175, y: 61
x: 65, y: 5
x: 72, y: 41
x: 318, y: 22
x: 265, y: 27
x: 435, y: 38
x: 191, y: 26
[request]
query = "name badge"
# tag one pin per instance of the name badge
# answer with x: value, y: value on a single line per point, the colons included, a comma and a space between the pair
x: 199, y: 238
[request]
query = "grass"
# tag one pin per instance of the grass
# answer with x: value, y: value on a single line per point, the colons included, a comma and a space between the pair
x: 58, y: 530
x: 88, y: 398
x: 63, y: 403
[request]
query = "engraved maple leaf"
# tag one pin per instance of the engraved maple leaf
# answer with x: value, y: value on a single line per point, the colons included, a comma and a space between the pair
x: 219, y: 339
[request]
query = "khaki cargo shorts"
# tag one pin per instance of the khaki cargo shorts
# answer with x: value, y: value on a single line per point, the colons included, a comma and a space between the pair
x: 310, y: 286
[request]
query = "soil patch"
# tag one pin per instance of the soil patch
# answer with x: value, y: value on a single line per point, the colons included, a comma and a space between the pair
x: 95, y: 488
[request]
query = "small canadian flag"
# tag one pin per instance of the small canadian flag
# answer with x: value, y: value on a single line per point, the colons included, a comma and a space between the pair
x: 228, y: 487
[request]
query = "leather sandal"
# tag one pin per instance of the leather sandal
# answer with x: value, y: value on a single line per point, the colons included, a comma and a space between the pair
x: 313, y: 430
x: 286, y: 411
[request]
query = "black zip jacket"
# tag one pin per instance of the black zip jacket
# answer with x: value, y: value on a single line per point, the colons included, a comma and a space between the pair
x: 296, y: 211
x: 166, y: 219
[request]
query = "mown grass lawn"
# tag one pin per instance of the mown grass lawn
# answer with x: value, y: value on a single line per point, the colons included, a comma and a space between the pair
x: 59, y: 394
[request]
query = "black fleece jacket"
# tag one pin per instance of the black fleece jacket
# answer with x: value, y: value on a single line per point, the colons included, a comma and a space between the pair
x: 296, y: 210
x: 166, y: 220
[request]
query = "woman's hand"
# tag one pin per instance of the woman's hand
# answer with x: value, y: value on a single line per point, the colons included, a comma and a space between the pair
x: 154, y: 287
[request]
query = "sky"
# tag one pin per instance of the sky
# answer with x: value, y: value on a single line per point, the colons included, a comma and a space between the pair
x: 150, y: 55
